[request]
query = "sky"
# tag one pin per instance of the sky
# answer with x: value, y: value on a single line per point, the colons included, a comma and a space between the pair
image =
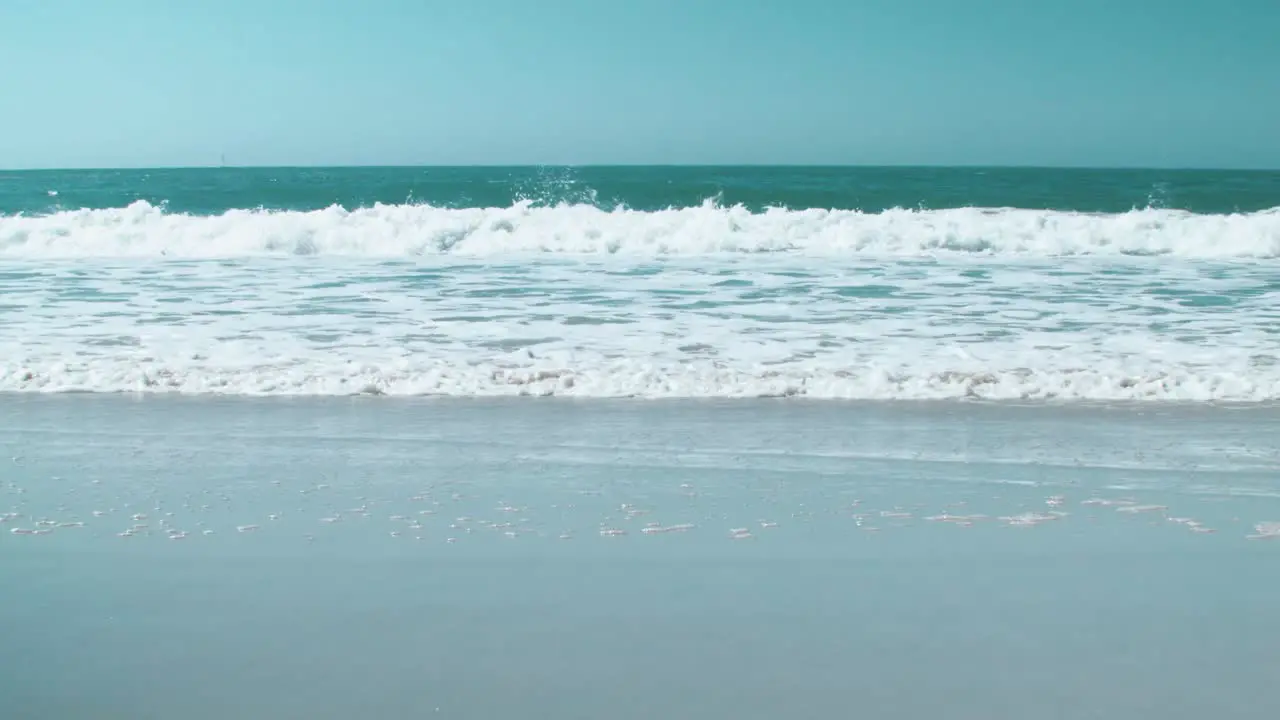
x: 1102, y: 83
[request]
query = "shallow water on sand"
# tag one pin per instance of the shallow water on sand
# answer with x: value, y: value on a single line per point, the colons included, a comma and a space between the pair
x: 476, y: 559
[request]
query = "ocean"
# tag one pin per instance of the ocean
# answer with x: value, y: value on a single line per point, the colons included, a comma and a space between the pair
x: 822, y: 283
x: 639, y: 442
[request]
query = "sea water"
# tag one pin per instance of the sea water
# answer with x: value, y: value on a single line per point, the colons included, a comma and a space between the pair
x: 638, y: 442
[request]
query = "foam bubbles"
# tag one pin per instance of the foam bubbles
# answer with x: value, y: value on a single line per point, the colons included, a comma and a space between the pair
x: 1152, y: 305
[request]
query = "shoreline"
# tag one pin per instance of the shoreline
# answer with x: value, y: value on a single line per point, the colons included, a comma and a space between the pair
x: 977, y: 405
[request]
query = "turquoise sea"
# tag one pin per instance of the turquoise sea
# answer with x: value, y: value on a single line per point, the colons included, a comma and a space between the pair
x: 644, y: 282
x: 639, y: 442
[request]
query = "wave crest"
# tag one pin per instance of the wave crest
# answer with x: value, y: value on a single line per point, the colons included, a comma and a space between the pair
x: 390, y: 231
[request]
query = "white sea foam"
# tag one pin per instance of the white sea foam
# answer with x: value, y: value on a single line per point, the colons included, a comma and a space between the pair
x: 742, y: 326
x: 142, y: 230
x: 993, y: 304
x: 624, y: 379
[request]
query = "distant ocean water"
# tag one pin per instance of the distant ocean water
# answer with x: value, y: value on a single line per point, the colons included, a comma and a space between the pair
x: 997, y: 284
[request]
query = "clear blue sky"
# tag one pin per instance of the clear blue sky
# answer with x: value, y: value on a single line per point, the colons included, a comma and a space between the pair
x: 129, y: 83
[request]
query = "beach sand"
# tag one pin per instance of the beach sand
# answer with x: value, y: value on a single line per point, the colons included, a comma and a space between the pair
x: 379, y: 558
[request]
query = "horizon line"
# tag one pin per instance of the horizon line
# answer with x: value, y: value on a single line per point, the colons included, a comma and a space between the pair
x: 522, y: 166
